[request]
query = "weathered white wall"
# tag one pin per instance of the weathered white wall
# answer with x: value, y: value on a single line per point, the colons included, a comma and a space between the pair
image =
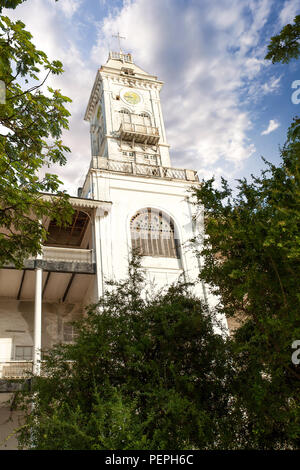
x: 16, y: 322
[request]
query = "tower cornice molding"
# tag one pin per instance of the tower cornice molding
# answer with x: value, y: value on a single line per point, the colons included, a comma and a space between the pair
x: 134, y: 81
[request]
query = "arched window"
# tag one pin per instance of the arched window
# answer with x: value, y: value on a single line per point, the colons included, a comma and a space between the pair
x: 153, y: 234
x: 146, y: 119
x: 125, y: 115
x: 142, y: 119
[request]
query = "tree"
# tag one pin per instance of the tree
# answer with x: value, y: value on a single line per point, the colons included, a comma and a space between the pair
x: 145, y: 374
x: 252, y: 262
x: 285, y: 45
x: 10, y: 4
x: 283, y: 48
x: 31, y: 122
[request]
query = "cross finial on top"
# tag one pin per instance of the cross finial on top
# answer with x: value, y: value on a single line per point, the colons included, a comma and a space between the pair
x: 119, y: 39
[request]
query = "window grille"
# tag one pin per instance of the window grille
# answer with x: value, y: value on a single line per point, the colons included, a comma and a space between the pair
x: 23, y: 353
x: 153, y: 234
x: 69, y: 333
x: 130, y: 155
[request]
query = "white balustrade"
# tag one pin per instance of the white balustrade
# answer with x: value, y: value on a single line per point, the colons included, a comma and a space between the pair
x: 137, y: 168
x: 75, y: 255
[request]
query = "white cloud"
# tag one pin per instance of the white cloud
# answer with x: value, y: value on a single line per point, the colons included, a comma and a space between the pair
x: 58, y: 36
x: 207, y: 55
x: 272, y: 85
x: 290, y: 10
x: 69, y: 7
x: 256, y: 89
x: 273, y: 125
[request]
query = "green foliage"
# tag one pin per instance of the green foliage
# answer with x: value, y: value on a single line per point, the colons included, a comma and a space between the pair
x: 34, y: 121
x: 286, y: 45
x: 252, y: 261
x: 283, y: 48
x: 10, y: 3
x: 145, y: 374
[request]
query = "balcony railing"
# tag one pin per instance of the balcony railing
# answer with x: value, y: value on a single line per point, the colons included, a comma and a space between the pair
x: 15, y: 369
x: 139, y: 133
x: 140, y: 169
x: 10, y: 370
x: 121, y: 56
x: 75, y: 255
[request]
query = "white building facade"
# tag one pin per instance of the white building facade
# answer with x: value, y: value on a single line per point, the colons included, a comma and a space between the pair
x: 132, y: 197
x: 131, y: 167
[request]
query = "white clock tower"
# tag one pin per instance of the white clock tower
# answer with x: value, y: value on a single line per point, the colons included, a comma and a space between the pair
x: 150, y: 205
x: 125, y: 114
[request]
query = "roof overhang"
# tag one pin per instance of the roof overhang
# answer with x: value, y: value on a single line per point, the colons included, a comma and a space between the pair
x: 83, y: 203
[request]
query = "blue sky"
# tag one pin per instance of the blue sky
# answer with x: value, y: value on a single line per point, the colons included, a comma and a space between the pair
x: 224, y: 105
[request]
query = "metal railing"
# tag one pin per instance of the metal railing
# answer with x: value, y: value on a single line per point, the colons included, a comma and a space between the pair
x: 141, y: 169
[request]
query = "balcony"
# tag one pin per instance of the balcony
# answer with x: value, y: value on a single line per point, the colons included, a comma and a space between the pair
x: 139, y: 169
x: 62, y: 259
x: 15, y: 369
x: 70, y: 255
x: 139, y: 133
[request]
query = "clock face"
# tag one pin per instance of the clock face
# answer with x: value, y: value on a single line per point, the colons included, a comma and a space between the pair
x: 131, y: 97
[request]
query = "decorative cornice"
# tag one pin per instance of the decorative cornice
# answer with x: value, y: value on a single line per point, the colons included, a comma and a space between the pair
x: 90, y: 203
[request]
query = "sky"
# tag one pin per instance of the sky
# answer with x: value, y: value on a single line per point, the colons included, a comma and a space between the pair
x: 224, y: 106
